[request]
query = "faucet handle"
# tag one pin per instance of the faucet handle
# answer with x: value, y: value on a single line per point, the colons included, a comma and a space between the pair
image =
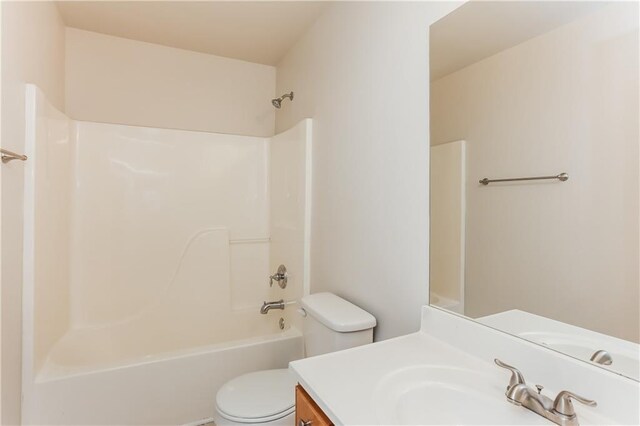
x: 563, y: 405
x: 280, y: 276
x: 516, y: 376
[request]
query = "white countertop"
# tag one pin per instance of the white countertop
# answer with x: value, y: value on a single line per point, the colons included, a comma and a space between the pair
x: 361, y: 385
x: 345, y: 384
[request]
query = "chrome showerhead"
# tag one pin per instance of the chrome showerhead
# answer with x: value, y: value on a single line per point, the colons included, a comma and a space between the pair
x: 277, y: 102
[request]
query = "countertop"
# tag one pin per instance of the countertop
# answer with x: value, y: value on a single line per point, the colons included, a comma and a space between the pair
x: 405, y: 380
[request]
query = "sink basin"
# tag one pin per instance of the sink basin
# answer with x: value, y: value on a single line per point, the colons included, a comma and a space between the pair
x: 444, y: 395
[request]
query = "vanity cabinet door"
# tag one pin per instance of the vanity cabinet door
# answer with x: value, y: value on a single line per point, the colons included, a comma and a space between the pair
x: 307, y: 411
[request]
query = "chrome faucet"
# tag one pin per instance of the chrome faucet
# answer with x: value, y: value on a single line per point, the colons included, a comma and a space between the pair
x: 266, y: 306
x: 560, y: 410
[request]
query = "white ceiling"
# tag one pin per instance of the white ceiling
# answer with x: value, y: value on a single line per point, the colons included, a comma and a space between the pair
x: 254, y: 31
x: 479, y: 29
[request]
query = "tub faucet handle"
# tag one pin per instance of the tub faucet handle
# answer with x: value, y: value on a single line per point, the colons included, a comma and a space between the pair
x: 280, y: 276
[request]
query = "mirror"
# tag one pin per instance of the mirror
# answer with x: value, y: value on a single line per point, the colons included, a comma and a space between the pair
x: 544, y: 90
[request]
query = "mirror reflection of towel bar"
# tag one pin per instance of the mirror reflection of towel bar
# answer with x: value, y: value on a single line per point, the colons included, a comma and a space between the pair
x: 7, y: 156
x: 561, y: 177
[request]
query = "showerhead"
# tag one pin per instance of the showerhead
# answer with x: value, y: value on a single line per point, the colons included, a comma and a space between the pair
x: 277, y: 102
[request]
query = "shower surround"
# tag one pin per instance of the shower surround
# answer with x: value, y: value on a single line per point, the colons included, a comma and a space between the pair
x: 147, y: 256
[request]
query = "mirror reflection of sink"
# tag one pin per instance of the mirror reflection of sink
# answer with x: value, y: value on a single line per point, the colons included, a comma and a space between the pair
x: 568, y: 339
x: 624, y: 361
x: 444, y: 395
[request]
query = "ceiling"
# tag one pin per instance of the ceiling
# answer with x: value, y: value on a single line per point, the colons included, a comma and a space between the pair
x: 254, y: 31
x: 480, y: 29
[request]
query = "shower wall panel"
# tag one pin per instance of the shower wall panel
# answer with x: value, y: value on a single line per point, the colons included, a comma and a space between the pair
x: 47, y: 223
x: 290, y: 207
x: 145, y: 199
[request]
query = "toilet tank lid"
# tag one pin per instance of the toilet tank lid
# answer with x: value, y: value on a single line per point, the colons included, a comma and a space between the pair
x: 337, y: 313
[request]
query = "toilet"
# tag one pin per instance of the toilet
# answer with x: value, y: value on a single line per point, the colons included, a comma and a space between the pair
x: 267, y: 397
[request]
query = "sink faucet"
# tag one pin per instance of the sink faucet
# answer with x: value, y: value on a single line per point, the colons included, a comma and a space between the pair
x: 266, y: 306
x: 560, y: 410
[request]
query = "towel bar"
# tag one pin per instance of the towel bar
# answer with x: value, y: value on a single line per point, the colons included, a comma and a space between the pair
x: 561, y: 177
x: 7, y: 156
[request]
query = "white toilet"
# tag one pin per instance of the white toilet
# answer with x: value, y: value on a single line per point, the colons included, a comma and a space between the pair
x: 267, y: 397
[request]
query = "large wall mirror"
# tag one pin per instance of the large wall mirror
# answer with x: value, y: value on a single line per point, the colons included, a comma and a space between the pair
x: 544, y: 90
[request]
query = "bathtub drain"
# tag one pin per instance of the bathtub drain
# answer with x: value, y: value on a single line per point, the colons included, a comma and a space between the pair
x: 281, y: 323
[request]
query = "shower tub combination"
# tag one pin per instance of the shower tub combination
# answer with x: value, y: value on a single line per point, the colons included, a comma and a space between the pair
x: 147, y: 257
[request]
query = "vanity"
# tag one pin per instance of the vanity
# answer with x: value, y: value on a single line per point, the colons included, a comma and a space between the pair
x: 446, y: 374
x: 308, y: 413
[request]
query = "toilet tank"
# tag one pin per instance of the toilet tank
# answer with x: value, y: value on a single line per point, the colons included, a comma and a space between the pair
x: 331, y: 324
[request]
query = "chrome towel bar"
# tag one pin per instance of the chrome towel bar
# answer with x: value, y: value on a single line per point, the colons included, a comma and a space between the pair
x: 7, y: 156
x: 561, y: 177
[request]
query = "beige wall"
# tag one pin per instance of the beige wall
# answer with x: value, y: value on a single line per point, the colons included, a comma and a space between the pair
x: 566, y: 101
x: 116, y: 80
x: 361, y: 72
x: 32, y: 51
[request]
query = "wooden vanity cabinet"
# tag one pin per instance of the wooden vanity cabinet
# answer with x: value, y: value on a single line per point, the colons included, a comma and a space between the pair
x: 307, y: 411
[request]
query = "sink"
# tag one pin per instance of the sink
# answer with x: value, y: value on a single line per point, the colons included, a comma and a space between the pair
x: 426, y: 394
x: 440, y: 394
x: 421, y: 378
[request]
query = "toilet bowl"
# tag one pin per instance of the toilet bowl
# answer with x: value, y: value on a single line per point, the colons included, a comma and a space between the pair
x: 267, y: 397
x: 262, y: 397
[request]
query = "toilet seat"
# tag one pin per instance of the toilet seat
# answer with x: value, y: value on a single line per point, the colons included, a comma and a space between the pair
x: 257, y: 397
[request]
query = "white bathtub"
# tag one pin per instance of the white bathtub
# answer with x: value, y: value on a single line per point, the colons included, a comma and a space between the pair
x: 152, y: 337
x: 104, y: 379
x: 145, y: 269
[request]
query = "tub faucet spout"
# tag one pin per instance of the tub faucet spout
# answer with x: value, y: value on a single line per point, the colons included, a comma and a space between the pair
x: 266, y: 306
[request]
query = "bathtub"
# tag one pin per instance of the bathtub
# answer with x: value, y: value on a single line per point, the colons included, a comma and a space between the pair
x: 145, y: 269
x: 104, y: 377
